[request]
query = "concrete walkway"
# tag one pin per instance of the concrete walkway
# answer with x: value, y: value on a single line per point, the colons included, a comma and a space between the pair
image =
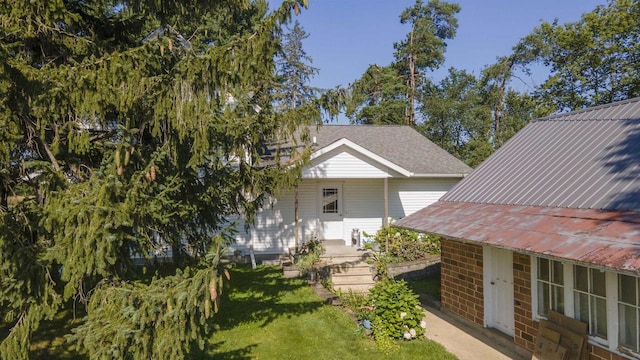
x: 469, y: 341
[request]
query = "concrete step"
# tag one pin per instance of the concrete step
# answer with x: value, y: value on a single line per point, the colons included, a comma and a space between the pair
x: 352, y: 279
x: 333, y: 242
x: 360, y: 288
x: 357, y: 269
x: 343, y: 258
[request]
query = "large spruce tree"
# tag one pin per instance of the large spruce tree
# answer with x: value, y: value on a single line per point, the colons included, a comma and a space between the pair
x: 126, y: 125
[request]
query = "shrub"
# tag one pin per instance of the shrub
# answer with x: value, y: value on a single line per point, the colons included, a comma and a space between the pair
x: 397, y: 311
x: 309, y: 255
x: 406, y: 245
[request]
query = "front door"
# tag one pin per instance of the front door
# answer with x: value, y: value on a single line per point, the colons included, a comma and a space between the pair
x: 330, y: 211
x: 499, y: 303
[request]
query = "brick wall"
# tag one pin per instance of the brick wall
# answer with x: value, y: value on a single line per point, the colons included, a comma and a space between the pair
x: 597, y: 353
x: 462, y: 286
x: 525, y: 328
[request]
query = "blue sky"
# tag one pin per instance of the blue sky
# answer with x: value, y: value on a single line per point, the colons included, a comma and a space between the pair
x: 346, y: 36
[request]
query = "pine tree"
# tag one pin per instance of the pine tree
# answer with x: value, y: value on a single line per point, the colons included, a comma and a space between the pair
x: 295, y: 70
x: 424, y: 47
x: 125, y: 125
x: 377, y: 98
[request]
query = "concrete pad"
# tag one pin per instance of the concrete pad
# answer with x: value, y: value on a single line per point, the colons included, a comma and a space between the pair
x: 469, y: 342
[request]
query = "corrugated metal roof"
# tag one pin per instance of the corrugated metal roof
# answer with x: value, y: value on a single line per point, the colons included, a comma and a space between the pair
x: 609, y: 239
x: 585, y: 159
x: 566, y: 186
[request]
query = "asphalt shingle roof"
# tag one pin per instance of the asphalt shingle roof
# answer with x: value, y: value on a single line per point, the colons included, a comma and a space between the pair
x: 401, y: 145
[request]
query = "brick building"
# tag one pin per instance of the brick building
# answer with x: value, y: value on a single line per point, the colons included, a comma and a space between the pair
x: 551, y: 221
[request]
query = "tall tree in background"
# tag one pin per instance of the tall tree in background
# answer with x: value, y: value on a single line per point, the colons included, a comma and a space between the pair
x: 455, y: 118
x: 123, y: 123
x: 295, y: 70
x: 377, y: 98
x: 425, y: 45
x: 510, y: 110
x: 595, y: 60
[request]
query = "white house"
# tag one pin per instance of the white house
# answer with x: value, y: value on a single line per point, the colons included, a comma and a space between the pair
x: 358, y: 177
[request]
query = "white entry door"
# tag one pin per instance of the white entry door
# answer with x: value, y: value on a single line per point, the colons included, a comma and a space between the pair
x: 498, y: 271
x: 331, y: 211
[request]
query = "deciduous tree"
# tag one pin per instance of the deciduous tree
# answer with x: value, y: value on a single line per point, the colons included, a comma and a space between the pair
x: 592, y: 61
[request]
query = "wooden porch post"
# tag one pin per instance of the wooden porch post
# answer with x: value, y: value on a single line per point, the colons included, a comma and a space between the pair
x: 385, y: 221
x: 295, y: 216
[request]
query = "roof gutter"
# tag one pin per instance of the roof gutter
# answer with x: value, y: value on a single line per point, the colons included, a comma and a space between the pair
x: 439, y: 175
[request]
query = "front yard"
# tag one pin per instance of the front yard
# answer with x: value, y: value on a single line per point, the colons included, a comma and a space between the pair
x: 265, y: 316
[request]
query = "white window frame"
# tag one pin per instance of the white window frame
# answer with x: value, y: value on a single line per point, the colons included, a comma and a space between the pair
x: 550, y: 282
x: 637, y: 308
x: 611, y: 279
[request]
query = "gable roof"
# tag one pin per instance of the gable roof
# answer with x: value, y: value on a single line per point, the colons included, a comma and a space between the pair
x: 588, y: 159
x: 566, y: 186
x: 399, y: 145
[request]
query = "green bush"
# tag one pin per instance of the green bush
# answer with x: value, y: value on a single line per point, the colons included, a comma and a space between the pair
x: 406, y: 245
x: 309, y: 255
x: 397, y: 311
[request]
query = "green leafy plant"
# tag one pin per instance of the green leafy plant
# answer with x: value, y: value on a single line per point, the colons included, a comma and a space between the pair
x: 405, y: 245
x: 365, y: 312
x: 309, y: 256
x: 397, y: 311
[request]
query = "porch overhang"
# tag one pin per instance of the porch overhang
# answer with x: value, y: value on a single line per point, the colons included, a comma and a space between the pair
x: 600, y: 238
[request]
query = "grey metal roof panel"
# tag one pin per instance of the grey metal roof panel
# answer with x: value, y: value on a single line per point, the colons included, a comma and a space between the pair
x: 584, y: 159
x: 401, y: 145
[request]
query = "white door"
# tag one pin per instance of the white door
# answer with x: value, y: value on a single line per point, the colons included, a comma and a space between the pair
x: 498, y: 269
x: 330, y: 211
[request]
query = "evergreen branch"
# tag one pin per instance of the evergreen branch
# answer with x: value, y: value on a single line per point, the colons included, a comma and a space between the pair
x: 52, y: 158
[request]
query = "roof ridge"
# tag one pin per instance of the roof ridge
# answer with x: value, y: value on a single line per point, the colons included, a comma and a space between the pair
x: 564, y: 116
x: 364, y: 125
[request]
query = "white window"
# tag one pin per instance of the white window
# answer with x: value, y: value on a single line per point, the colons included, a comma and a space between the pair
x: 590, y: 299
x: 604, y: 300
x: 628, y: 312
x: 550, y: 281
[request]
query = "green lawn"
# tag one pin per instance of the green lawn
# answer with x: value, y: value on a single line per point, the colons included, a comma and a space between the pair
x: 429, y: 286
x: 265, y: 316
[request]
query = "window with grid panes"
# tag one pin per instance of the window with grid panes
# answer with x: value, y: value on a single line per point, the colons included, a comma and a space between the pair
x: 550, y: 286
x: 330, y: 201
x: 590, y: 301
x: 628, y: 312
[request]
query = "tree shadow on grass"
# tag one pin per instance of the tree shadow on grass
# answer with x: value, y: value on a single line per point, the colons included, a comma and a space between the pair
x: 261, y: 296
x: 257, y: 297
x: 245, y: 353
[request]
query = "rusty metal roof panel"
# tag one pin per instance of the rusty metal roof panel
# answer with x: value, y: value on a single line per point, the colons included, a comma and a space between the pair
x: 584, y: 159
x: 608, y: 239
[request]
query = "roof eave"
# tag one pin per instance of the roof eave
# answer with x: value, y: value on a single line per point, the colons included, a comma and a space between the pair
x: 350, y: 144
x: 442, y: 176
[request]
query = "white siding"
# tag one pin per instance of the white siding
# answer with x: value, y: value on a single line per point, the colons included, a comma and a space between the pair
x: 364, y: 206
x: 344, y: 163
x: 273, y: 230
x: 363, y: 201
x: 407, y: 196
